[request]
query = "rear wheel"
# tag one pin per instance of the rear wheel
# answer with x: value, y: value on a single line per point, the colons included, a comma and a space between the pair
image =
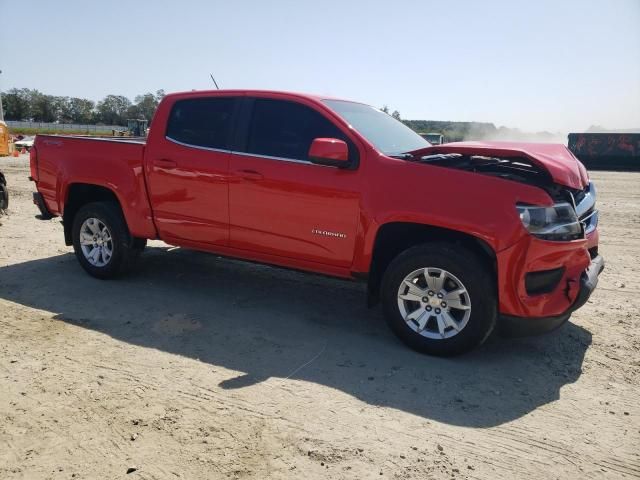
x: 439, y: 299
x: 101, y: 240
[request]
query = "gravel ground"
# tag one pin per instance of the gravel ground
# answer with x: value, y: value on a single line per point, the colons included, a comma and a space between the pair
x: 200, y: 367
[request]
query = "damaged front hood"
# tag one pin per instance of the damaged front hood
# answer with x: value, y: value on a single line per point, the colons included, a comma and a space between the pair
x: 563, y: 168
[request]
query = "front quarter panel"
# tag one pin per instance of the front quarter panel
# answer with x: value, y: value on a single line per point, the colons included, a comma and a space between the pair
x: 478, y: 205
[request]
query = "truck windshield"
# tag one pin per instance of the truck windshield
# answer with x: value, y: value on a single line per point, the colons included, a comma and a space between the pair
x: 386, y: 133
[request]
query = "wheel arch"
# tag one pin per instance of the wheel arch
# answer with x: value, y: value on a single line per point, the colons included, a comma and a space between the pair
x: 79, y: 194
x: 395, y: 237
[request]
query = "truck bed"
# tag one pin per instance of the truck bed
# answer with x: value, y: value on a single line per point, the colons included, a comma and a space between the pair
x: 115, y: 163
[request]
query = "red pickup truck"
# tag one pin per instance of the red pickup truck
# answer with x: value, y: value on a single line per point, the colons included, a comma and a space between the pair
x: 452, y: 239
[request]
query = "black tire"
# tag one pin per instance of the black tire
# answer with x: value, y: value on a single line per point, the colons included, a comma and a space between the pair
x: 140, y: 244
x: 463, y: 264
x: 4, y: 193
x: 124, y: 249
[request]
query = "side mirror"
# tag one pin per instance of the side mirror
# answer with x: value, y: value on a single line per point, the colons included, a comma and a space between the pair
x: 329, y: 151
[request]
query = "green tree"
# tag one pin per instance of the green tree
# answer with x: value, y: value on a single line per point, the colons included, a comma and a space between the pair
x: 134, y: 112
x: 15, y: 104
x: 396, y: 115
x: 62, y: 109
x: 82, y: 110
x: 113, y: 109
x: 146, y: 105
x: 42, y: 107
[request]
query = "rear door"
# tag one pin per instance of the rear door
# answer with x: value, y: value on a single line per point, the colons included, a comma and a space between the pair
x: 282, y: 204
x: 187, y: 170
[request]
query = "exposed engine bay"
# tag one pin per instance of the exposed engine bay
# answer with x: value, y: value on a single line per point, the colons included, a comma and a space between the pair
x: 517, y: 169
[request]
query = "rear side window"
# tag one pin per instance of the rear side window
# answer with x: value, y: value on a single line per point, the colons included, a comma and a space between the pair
x: 286, y: 129
x: 202, y: 122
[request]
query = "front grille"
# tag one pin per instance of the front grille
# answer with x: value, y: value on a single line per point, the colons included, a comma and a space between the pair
x: 585, y: 203
x: 579, y: 196
x: 590, y: 222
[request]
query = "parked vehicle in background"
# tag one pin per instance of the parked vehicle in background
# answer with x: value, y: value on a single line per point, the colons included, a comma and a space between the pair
x: 26, y: 142
x: 137, y: 127
x: 452, y: 239
x: 433, y: 138
x: 4, y: 193
x: 607, y: 151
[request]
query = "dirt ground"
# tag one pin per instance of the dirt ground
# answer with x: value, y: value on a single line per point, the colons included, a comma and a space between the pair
x: 200, y: 367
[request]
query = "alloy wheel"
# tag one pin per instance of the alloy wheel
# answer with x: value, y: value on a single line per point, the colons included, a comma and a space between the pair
x: 96, y: 242
x: 434, y: 303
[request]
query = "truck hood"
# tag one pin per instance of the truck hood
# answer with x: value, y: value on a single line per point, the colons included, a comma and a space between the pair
x: 563, y: 167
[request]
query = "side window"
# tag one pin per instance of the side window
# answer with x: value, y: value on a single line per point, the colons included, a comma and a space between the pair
x: 202, y: 122
x: 286, y: 129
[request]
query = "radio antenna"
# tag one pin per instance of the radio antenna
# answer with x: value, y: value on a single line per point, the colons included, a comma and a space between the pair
x: 214, y: 81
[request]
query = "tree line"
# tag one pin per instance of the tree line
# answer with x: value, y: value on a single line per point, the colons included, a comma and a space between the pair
x: 27, y: 104
x: 455, y: 131
x: 31, y: 105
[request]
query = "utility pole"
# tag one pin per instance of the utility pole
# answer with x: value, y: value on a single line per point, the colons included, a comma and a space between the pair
x: 1, y: 111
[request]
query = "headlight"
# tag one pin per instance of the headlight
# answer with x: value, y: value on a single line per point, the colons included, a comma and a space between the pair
x: 557, y: 223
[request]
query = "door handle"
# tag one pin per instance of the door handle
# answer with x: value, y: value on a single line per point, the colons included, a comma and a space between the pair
x: 165, y: 163
x: 250, y: 175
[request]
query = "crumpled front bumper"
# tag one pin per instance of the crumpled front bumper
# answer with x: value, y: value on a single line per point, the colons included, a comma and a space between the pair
x: 512, y: 325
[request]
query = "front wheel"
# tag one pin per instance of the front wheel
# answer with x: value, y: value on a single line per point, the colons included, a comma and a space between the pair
x: 101, y: 240
x: 439, y: 299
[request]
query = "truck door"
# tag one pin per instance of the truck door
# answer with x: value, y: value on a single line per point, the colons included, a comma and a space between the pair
x: 282, y: 204
x: 187, y: 170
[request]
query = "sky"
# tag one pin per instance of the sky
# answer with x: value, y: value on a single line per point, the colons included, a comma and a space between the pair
x: 534, y: 65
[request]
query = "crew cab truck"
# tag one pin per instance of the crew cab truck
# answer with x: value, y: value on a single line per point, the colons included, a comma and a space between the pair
x: 452, y: 239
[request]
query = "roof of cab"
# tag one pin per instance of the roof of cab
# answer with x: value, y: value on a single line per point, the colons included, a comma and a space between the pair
x: 274, y: 93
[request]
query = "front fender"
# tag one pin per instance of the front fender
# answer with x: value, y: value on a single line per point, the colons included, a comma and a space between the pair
x: 469, y: 203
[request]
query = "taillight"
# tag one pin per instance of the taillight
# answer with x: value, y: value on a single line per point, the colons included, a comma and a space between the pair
x: 33, y: 163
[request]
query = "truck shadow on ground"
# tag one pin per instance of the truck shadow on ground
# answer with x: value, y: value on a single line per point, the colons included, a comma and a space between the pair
x: 270, y: 322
